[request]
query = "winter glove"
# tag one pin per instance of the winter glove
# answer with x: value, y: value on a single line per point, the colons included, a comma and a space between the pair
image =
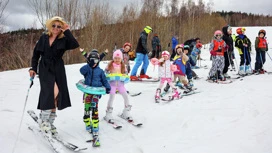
x: 108, y: 90
x: 213, y: 53
x: 227, y: 47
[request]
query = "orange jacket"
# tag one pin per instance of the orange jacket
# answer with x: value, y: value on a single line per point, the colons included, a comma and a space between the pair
x: 218, y: 45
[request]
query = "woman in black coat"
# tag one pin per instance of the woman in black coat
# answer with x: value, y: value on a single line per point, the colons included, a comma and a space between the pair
x: 54, y: 91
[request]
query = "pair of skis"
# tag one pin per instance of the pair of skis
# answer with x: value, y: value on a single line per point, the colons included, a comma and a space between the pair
x: 52, y: 141
x: 181, y: 95
x: 116, y: 125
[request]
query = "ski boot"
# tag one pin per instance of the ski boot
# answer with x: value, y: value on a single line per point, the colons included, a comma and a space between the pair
x: 248, y: 70
x: 212, y: 79
x: 126, y: 113
x: 191, y: 83
x: 178, y: 84
x: 242, y: 71
x: 108, y: 116
x: 157, y: 96
x: 175, y: 94
x: 188, y: 89
x: 44, y: 122
x: 52, y: 118
x: 221, y: 77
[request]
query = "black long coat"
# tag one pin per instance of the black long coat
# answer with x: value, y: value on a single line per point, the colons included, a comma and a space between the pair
x: 51, y: 69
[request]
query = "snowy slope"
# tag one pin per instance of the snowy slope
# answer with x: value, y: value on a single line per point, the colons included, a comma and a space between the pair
x: 230, y: 118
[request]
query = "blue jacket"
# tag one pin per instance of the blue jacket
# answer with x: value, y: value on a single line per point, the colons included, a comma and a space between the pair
x: 94, y: 77
x: 195, y: 51
x: 174, y: 42
x: 190, y: 63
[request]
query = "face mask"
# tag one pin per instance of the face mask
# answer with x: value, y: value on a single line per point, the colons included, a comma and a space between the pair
x: 91, y: 63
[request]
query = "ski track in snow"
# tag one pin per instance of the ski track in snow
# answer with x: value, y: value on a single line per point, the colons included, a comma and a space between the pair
x: 225, y: 118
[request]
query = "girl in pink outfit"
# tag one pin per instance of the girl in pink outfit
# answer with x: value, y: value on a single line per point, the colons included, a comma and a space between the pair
x: 117, y: 66
x: 166, y: 73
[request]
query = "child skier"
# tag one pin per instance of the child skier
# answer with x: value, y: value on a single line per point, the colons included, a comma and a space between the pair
x: 243, y: 44
x: 126, y: 48
x: 180, y: 60
x: 165, y: 74
x: 189, y: 63
x: 117, y: 66
x: 196, y: 53
x: 217, y: 48
x: 227, y: 31
x: 94, y: 77
x: 261, y: 47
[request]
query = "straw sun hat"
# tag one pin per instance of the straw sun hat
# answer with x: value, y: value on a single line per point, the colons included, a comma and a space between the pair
x: 49, y: 22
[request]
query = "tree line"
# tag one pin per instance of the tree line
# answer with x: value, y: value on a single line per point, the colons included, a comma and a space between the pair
x: 98, y: 25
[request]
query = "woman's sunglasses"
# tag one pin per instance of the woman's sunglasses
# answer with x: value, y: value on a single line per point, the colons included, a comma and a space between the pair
x: 54, y: 26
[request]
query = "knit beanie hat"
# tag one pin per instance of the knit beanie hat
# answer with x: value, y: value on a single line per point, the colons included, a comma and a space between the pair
x: 117, y: 53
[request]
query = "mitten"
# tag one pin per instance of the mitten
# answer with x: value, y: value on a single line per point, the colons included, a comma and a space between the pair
x: 213, y: 53
x: 108, y: 90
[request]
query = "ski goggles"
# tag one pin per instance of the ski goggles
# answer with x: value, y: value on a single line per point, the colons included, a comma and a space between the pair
x: 94, y: 59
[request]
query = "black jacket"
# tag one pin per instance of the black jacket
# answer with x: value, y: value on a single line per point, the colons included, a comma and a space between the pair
x: 155, y: 43
x: 227, y: 38
x: 142, y: 44
x: 51, y: 69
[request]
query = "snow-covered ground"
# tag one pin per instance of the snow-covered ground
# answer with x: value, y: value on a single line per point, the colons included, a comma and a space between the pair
x: 223, y: 118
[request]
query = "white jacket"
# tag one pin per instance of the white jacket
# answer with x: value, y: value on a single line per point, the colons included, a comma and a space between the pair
x: 165, y: 70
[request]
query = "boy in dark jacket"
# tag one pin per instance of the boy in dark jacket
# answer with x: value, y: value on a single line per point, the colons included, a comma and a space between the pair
x: 156, y: 46
x: 94, y: 77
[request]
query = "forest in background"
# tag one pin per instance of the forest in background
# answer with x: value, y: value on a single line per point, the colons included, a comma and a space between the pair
x: 97, y: 25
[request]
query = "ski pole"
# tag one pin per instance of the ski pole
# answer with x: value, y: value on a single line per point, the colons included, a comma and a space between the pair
x: 245, y: 60
x: 31, y: 83
x: 228, y: 56
x: 261, y: 60
x: 249, y: 59
x: 236, y: 65
x: 269, y: 56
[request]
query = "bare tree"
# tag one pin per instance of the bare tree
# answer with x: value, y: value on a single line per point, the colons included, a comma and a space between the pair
x: 3, y: 5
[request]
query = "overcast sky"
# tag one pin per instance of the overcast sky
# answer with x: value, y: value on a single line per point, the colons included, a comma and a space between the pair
x: 20, y: 15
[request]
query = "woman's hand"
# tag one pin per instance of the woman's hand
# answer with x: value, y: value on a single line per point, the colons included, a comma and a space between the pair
x: 32, y: 73
x: 81, y: 49
x: 65, y: 27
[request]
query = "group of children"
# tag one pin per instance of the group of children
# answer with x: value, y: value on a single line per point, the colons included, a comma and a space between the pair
x: 221, y: 49
x: 181, y: 67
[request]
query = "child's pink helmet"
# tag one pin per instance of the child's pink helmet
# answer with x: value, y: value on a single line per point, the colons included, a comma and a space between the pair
x: 165, y: 53
x: 218, y: 32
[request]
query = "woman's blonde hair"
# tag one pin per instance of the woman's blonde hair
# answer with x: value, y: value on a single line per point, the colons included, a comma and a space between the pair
x: 50, y: 22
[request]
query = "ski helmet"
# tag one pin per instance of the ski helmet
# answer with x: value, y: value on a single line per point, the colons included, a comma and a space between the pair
x: 240, y: 31
x: 186, y: 47
x: 262, y: 31
x: 165, y: 53
x: 218, y: 33
x: 148, y: 29
x: 93, y: 57
x: 127, y: 44
x: 198, y: 45
x: 179, y: 46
